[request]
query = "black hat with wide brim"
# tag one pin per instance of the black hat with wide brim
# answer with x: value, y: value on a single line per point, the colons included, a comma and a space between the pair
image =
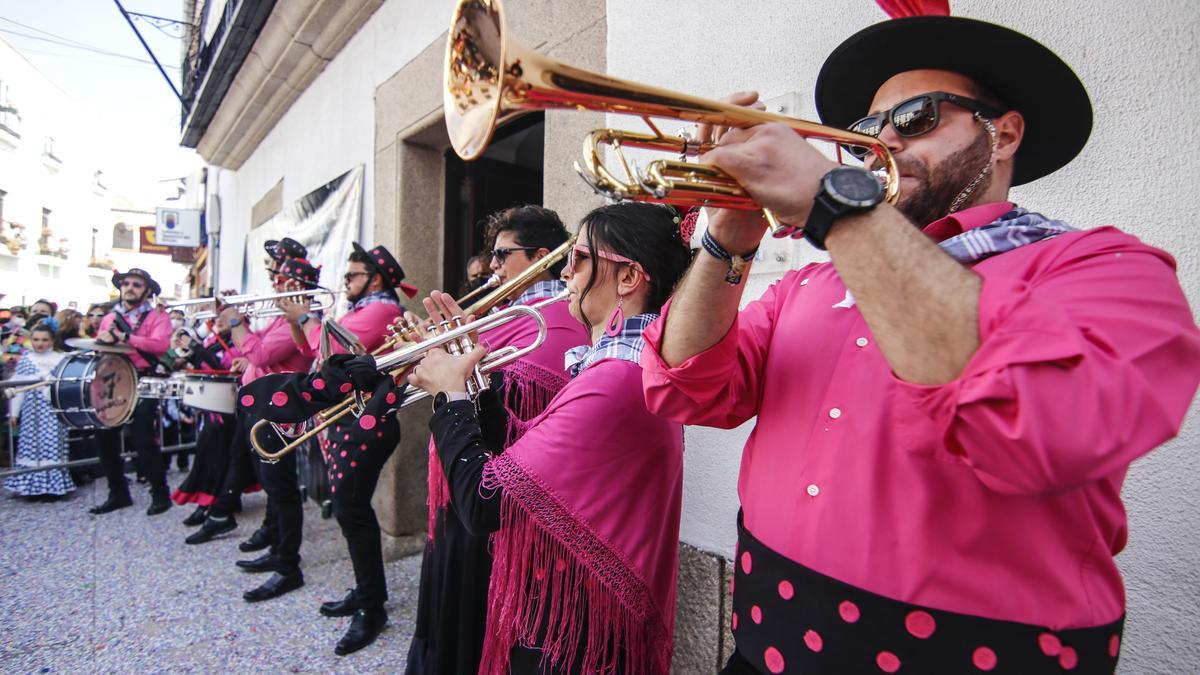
x: 383, y: 262
x: 142, y: 274
x: 1026, y: 76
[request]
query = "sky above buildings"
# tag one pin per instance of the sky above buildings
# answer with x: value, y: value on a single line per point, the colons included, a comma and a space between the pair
x: 89, y: 51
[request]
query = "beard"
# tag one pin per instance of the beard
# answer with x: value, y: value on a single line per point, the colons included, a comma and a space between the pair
x: 940, y: 186
x: 356, y: 296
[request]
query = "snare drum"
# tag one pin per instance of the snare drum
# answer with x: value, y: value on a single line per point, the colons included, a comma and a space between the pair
x: 93, y: 389
x: 214, y: 391
x: 161, y: 387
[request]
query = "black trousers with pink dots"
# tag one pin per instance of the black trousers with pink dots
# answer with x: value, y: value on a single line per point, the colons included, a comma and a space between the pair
x: 355, y: 457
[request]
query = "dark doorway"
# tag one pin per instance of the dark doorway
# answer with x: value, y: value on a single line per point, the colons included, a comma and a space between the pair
x: 508, y: 174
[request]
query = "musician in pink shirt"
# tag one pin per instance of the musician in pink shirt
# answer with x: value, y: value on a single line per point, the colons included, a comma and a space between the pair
x: 134, y: 321
x: 947, y: 410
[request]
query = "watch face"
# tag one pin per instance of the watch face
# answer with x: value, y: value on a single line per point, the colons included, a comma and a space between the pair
x: 854, y: 187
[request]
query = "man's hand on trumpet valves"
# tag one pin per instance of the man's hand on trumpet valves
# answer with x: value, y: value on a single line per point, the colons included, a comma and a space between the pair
x: 779, y: 169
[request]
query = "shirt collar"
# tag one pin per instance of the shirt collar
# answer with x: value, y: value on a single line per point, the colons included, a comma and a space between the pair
x: 626, y: 345
x: 376, y: 296
x: 541, y: 290
x: 965, y: 220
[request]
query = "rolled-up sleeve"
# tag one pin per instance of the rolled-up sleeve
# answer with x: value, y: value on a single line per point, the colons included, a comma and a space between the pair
x: 1082, y: 368
x: 719, y: 387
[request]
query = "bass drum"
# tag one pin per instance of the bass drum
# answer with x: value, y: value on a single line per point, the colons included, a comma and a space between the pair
x: 93, y: 389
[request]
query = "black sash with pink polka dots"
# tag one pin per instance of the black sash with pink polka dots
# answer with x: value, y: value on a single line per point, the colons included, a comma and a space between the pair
x: 790, y: 619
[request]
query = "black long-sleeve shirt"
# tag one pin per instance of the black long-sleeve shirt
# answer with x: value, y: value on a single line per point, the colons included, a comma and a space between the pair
x: 465, y: 440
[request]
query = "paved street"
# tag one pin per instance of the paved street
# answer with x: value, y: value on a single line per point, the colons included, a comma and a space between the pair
x: 123, y: 593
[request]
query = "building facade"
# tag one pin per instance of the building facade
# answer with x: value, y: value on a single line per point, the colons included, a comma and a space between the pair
x: 62, y: 230
x: 326, y: 86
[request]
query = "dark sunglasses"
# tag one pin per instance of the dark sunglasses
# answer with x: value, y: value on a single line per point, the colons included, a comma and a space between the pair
x: 914, y: 117
x: 349, y: 276
x: 96, y: 315
x: 501, y: 254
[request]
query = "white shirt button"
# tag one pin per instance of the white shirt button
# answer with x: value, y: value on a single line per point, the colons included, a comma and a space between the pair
x: 835, y: 413
x: 813, y: 490
x: 804, y: 282
x: 862, y: 342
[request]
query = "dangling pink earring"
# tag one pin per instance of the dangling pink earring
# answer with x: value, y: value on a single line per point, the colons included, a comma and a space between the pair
x: 616, y: 320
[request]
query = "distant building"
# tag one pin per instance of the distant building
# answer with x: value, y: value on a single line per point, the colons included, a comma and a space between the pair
x: 62, y: 231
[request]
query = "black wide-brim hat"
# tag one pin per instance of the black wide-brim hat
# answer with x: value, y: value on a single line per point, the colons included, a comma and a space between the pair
x: 285, y: 248
x: 299, y: 269
x: 383, y: 262
x: 1027, y: 77
x: 142, y: 274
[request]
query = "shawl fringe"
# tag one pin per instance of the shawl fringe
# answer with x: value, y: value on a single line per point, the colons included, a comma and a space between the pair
x: 534, y: 388
x: 559, y: 588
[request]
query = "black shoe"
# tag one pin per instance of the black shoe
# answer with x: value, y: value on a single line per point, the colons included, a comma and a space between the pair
x: 257, y: 541
x: 158, y: 505
x: 347, y: 606
x: 274, y: 587
x: 110, y: 505
x: 366, y: 625
x: 263, y: 563
x: 197, y: 517
x: 211, y: 528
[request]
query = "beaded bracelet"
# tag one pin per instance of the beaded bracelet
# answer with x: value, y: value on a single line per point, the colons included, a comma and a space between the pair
x: 737, y: 264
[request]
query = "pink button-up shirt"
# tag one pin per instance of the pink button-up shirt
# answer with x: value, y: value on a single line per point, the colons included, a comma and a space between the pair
x: 368, y: 323
x: 997, y: 494
x: 272, y: 350
x: 152, y: 335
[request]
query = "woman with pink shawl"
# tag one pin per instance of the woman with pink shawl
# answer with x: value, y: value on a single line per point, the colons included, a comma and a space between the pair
x: 584, y: 507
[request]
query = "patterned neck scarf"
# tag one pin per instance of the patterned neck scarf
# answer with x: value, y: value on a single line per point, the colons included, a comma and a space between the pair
x: 386, y: 297
x: 1014, y: 229
x: 627, y: 345
x: 135, y: 316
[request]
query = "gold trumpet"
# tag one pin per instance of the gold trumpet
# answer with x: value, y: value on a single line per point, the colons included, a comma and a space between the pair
x: 490, y: 79
x: 353, y: 403
x: 453, y: 336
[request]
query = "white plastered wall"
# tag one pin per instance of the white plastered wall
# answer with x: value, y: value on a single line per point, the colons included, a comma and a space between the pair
x: 331, y: 127
x: 1140, y: 63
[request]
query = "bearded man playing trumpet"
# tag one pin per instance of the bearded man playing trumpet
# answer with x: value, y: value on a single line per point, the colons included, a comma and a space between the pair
x: 947, y: 410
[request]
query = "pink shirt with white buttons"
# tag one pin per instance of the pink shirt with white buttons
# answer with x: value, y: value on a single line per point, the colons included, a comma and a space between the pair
x: 997, y: 494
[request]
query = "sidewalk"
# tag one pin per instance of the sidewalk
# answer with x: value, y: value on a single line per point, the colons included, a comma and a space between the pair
x: 123, y: 593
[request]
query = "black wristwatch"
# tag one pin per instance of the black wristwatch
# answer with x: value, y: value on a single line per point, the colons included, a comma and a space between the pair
x: 303, y: 319
x: 845, y: 190
x: 440, y: 399
x: 235, y: 322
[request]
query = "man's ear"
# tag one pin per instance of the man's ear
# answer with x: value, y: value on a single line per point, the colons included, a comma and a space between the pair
x: 1010, y: 129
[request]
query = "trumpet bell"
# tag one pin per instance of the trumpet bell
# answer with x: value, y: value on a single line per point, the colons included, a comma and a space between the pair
x: 490, y: 78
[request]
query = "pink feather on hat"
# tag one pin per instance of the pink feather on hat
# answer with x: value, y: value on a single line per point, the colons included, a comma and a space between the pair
x: 899, y: 9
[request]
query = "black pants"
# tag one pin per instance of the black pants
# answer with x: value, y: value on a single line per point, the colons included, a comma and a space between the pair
x: 145, y: 443
x: 239, y: 471
x: 354, y: 467
x: 285, y: 505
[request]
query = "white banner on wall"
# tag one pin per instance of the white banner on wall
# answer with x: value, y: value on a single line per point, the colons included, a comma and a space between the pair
x: 325, y: 220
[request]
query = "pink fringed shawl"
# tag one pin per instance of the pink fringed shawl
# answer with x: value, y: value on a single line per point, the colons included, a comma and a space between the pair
x: 585, y: 558
x: 535, y: 378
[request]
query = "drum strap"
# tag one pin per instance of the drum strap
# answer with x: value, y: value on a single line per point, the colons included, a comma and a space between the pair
x: 128, y: 330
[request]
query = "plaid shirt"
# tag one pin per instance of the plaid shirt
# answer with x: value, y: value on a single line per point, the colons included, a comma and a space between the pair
x: 540, y: 291
x: 627, y: 345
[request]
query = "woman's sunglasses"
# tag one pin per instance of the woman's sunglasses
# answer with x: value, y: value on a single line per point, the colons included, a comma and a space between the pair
x: 914, y: 117
x: 581, y: 252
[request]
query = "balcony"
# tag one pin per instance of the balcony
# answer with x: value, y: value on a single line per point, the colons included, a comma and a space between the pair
x: 208, y: 70
x: 10, y: 126
x: 232, y: 99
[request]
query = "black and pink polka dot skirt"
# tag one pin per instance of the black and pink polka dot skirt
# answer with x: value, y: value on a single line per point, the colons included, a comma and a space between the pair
x: 790, y: 619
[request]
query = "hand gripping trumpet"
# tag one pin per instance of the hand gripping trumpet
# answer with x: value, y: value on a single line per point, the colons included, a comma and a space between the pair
x: 489, y: 79
x: 452, y: 335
